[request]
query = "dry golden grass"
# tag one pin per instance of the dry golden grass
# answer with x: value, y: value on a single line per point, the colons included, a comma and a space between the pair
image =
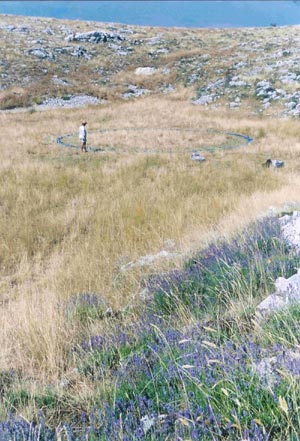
x: 70, y: 221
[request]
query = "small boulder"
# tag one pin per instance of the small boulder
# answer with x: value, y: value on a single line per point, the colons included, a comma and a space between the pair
x: 145, y: 70
x: 196, y: 156
x: 40, y: 53
x: 287, y: 292
x: 204, y: 100
x: 269, y: 305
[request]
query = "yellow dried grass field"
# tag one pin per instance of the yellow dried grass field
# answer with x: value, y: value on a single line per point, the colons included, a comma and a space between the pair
x: 69, y: 221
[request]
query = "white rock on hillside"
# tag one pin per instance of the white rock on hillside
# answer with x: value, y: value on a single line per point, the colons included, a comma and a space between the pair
x: 290, y: 226
x: 145, y: 70
x: 287, y: 291
x: 40, y: 53
x: 204, y: 100
x: 269, y: 305
x: 94, y: 37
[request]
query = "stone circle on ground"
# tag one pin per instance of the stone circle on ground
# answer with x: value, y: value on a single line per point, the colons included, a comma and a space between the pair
x: 232, y: 140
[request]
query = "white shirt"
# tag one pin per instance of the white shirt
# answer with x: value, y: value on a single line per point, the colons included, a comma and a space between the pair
x: 82, y: 132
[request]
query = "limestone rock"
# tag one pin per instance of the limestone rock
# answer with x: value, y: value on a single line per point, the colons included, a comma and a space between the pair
x: 287, y: 292
x: 290, y: 226
x: 269, y: 305
x: 288, y: 360
x: 95, y: 37
x: 40, y: 53
x: 145, y: 70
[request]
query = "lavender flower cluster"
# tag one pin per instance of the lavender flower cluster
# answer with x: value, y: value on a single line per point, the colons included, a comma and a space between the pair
x: 191, y: 384
x: 188, y: 383
x: 260, y: 254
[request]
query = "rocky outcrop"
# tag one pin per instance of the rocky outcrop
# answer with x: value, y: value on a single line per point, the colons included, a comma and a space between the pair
x: 78, y: 51
x: 71, y: 101
x: 290, y: 226
x: 40, y: 52
x: 287, y: 291
x: 94, y: 37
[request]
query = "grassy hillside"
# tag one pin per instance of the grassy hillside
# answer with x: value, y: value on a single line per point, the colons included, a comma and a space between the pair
x: 75, y: 226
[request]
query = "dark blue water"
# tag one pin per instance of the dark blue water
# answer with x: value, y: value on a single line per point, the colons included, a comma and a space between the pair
x: 165, y: 13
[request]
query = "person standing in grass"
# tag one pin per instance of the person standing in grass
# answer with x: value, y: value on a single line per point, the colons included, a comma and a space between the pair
x: 83, y: 136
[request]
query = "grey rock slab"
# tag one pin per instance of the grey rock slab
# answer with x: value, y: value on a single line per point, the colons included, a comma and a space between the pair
x: 39, y: 53
x: 289, y: 289
x: 287, y: 360
x: 94, y: 37
x: 290, y: 226
x: 269, y: 305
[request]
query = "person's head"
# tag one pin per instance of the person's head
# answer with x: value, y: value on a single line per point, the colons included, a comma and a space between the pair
x: 84, y: 123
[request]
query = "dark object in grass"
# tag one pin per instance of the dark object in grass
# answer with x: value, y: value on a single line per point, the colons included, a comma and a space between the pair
x: 274, y: 163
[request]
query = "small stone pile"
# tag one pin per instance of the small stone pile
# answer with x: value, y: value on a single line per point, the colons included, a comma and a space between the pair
x: 71, y: 101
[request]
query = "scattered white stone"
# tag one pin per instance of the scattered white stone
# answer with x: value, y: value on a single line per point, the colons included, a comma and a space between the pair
x: 71, y: 101
x: 196, y: 156
x: 234, y: 105
x: 154, y: 40
x: 169, y: 89
x: 145, y: 70
x: 147, y: 423
x: 49, y: 31
x: 59, y: 81
x: 40, y: 53
x: 237, y: 83
x: 204, y: 100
